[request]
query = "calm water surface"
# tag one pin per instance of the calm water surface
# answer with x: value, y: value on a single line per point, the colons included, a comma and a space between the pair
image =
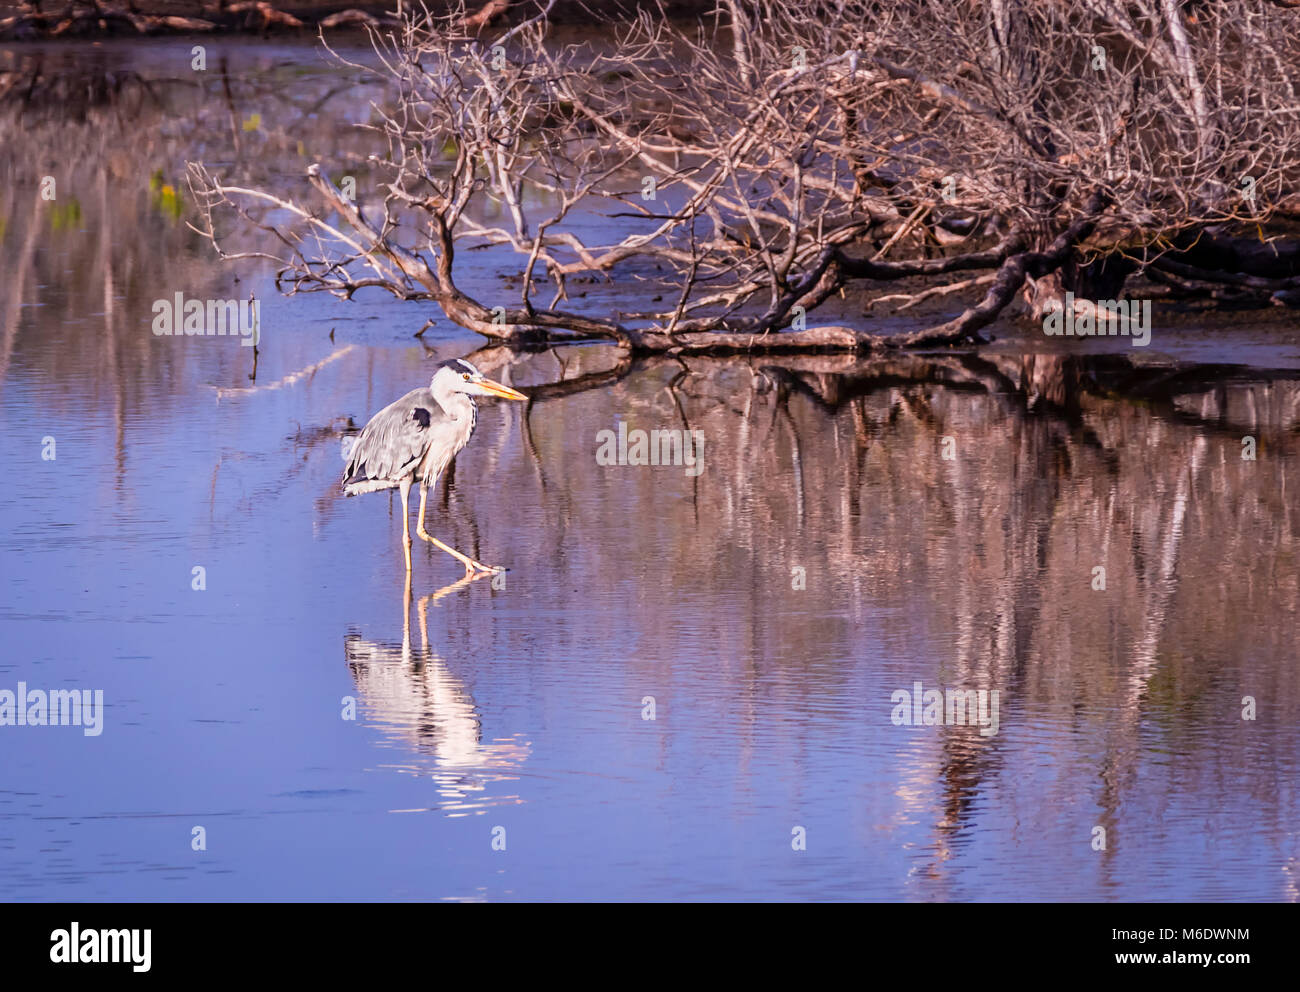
x: 521, y: 707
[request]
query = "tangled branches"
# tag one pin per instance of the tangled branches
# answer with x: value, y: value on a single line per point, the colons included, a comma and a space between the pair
x: 765, y: 159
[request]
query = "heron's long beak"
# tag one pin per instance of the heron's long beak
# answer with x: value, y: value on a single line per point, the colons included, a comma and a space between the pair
x: 498, y: 389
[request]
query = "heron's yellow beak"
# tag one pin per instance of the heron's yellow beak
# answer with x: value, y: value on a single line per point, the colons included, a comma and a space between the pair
x: 497, y: 389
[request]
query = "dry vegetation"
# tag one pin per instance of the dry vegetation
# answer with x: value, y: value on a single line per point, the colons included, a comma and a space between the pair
x: 1020, y: 149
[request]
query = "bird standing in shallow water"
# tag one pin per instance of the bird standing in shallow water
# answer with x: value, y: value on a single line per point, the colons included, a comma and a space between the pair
x: 415, y: 438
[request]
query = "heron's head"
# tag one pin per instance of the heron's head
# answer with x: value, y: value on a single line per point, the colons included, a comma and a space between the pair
x: 458, y: 376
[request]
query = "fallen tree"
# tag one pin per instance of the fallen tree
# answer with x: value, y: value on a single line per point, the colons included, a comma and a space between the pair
x: 772, y: 156
x: 34, y: 19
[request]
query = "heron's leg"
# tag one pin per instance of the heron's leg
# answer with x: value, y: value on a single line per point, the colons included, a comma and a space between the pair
x: 470, y: 564
x: 405, y: 487
x: 406, y: 617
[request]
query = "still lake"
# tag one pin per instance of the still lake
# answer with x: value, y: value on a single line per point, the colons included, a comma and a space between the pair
x: 768, y: 608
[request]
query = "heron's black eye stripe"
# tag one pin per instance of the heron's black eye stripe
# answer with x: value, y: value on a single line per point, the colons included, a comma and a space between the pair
x: 421, y: 415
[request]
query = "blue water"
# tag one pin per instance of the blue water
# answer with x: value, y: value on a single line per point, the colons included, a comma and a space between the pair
x: 514, y: 716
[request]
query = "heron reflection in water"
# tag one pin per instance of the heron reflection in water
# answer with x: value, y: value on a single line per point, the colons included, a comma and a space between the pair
x: 419, y: 704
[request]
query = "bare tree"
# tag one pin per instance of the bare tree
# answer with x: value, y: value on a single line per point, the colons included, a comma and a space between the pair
x: 775, y: 154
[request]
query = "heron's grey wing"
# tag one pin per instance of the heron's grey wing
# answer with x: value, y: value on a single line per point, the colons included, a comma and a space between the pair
x: 392, y: 444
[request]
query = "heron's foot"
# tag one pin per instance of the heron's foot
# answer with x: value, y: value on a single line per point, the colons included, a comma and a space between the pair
x: 471, y: 566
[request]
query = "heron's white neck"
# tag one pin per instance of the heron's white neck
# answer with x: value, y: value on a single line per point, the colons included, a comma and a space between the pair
x: 458, y: 405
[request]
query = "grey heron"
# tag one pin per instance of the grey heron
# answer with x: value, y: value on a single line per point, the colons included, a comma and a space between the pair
x: 415, y: 438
